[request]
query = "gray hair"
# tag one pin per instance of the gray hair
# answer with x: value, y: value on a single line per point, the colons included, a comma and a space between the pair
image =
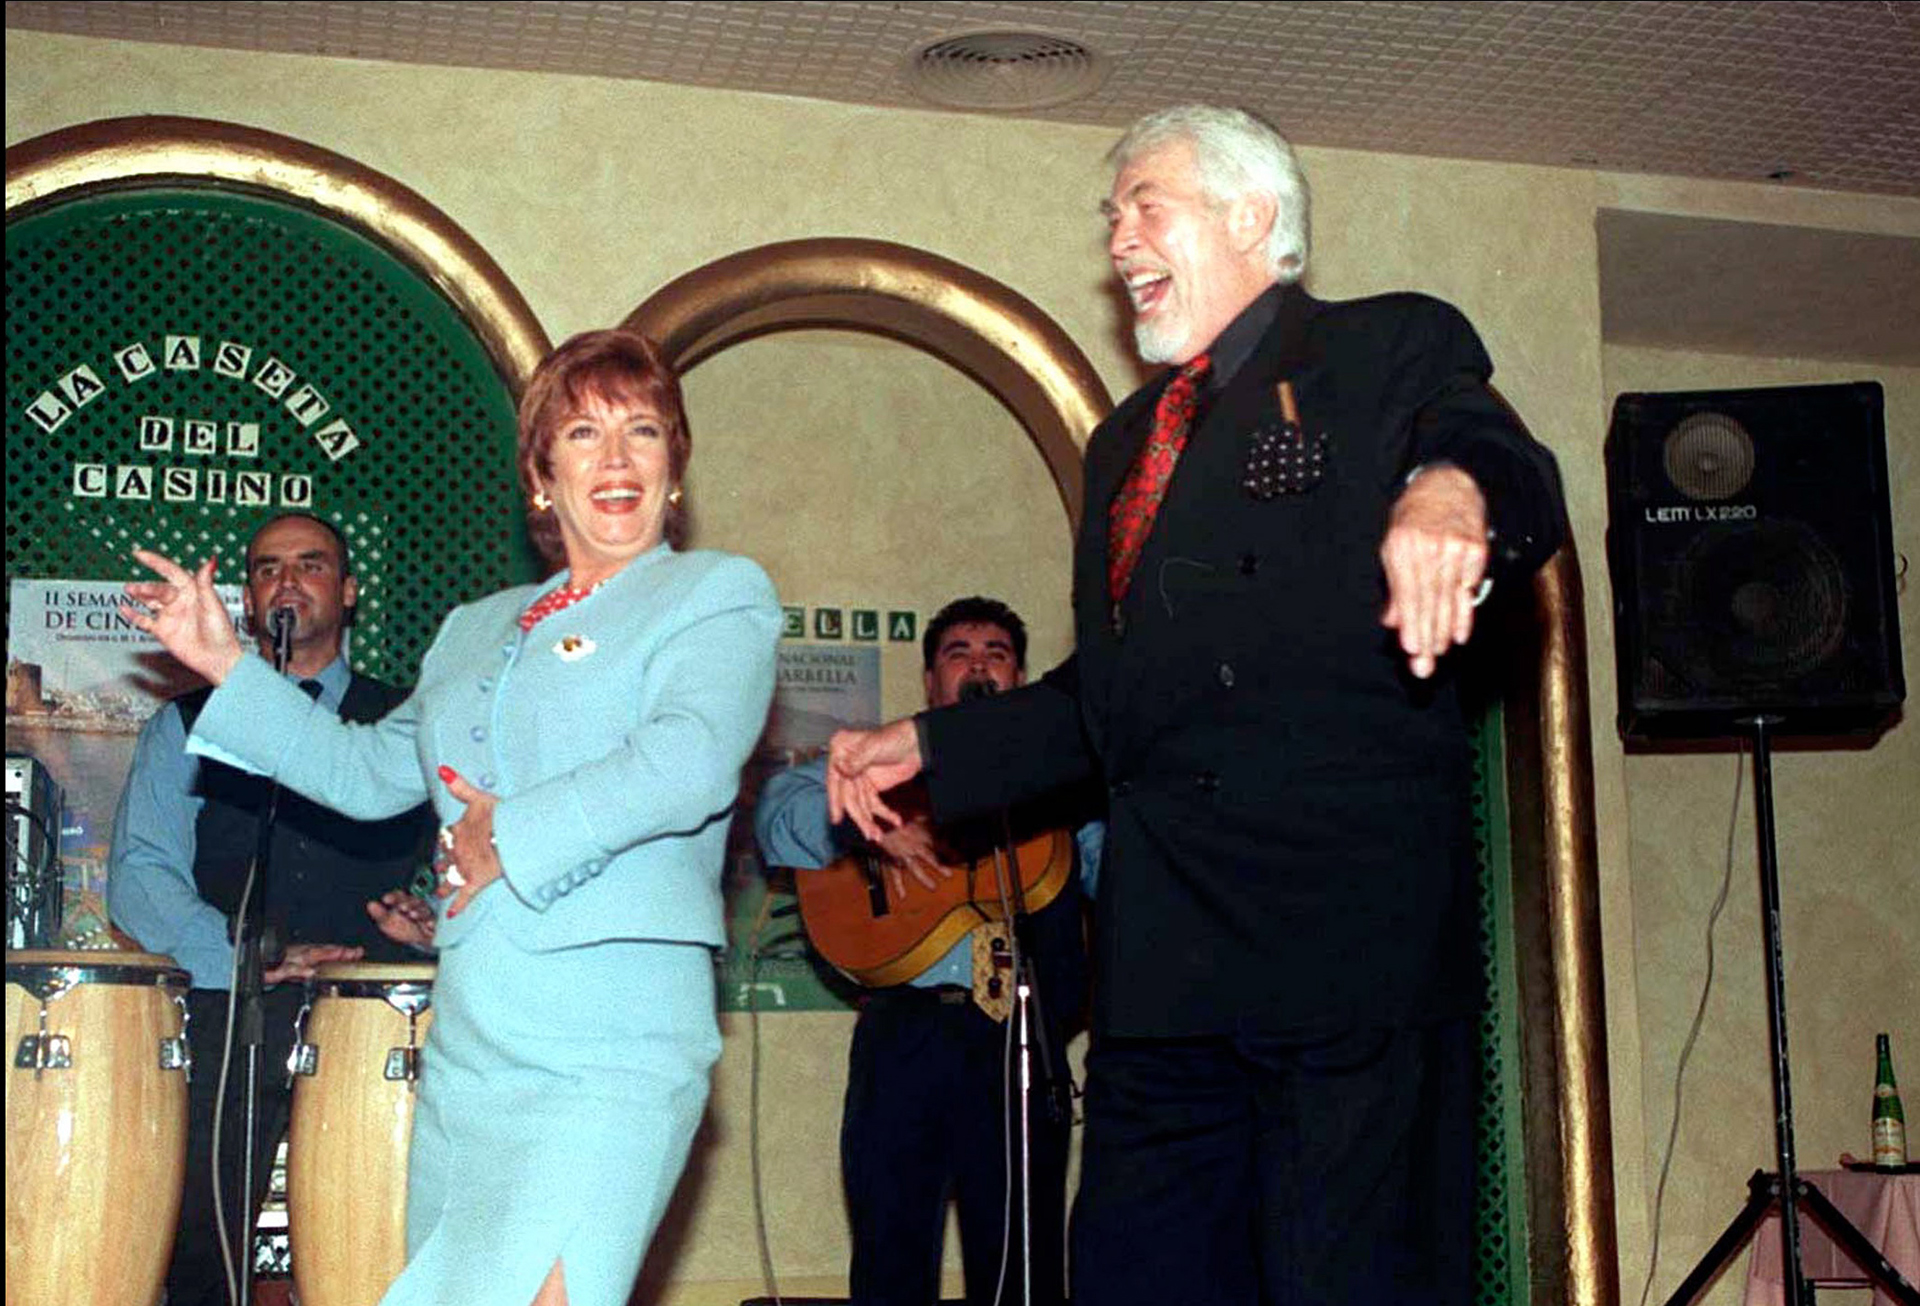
x: 1237, y: 155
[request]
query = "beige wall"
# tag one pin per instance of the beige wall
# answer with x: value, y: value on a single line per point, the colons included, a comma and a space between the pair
x: 905, y: 483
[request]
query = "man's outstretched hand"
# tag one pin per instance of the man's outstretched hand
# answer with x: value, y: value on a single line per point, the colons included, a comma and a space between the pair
x: 862, y: 765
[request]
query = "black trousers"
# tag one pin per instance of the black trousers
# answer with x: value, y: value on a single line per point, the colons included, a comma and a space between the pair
x: 928, y: 1118
x: 1239, y: 1170
x: 196, y: 1276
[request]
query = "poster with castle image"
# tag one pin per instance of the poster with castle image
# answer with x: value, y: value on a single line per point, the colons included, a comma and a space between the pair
x: 81, y: 681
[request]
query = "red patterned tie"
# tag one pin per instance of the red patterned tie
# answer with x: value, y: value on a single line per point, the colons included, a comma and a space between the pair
x: 1134, y: 507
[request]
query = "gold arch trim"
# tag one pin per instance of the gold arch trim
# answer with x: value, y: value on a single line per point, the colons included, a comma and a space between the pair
x: 1024, y: 358
x: 992, y: 333
x: 147, y: 151
x: 1562, y: 756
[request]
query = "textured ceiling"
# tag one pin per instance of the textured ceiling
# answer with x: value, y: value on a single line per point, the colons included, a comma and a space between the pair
x: 1824, y: 94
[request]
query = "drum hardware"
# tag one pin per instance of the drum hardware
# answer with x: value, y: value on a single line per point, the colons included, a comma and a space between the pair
x: 43, y: 1051
x: 305, y: 1057
x: 175, y: 1053
x: 47, y: 981
x: 409, y: 1000
x: 403, y: 1063
x: 44, y: 982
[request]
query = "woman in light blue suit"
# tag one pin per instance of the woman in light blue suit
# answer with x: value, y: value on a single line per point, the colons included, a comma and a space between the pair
x: 582, y: 741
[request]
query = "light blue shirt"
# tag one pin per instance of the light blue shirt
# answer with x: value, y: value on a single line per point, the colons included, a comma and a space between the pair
x: 151, y: 893
x: 790, y: 822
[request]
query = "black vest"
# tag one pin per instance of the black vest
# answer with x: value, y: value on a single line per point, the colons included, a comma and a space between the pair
x: 323, y: 867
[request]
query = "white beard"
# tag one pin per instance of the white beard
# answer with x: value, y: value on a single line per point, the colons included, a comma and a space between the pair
x: 1159, y: 340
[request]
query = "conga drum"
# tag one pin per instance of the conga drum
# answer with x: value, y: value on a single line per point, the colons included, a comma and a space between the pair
x: 356, y: 1062
x: 96, y: 1125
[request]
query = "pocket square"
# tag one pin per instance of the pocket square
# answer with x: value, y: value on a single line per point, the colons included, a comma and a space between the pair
x: 1281, y: 457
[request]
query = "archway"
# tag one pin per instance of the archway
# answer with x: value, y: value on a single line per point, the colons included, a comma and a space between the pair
x: 998, y: 337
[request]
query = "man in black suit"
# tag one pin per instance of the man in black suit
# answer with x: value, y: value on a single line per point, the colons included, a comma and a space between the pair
x: 1284, y: 537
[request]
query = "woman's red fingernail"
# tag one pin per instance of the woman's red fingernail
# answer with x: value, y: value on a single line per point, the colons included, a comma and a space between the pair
x: 448, y: 775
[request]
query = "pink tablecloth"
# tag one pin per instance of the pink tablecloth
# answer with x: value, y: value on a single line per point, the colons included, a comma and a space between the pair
x: 1884, y: 1207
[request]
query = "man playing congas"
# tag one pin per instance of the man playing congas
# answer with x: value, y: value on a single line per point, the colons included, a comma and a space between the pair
x: 183, y: 840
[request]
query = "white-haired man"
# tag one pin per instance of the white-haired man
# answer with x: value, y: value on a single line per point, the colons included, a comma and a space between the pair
x: 1285, y: 535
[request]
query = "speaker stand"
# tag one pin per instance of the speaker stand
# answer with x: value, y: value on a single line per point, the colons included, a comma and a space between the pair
x: 1784, y: 1188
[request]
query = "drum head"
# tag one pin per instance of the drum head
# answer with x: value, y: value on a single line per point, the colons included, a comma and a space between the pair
x: 88, y: 957
x: 375, y: 972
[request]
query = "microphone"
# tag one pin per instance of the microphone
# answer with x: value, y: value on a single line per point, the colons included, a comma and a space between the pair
x: 977, y: 689
x: 280, y: 629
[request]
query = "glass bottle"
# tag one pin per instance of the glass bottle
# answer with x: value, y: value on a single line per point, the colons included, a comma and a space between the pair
x: 1889, y: 1120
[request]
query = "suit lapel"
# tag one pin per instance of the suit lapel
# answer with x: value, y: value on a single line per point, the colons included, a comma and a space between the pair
x: 1281, y: 352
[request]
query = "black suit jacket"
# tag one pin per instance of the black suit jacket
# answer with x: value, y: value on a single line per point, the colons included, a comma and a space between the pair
x: 1289, y: 846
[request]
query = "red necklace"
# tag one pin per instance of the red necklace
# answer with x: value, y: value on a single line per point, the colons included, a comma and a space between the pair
x: 553, y: 601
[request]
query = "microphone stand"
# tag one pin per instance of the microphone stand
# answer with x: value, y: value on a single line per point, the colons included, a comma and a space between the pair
x: 1027, y: 1009
x: 1029, y: 1015
x: 259, y: 946
x: 1013, y: 899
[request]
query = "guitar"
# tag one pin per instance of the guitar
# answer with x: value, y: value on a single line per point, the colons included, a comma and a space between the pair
x: 876, y: 936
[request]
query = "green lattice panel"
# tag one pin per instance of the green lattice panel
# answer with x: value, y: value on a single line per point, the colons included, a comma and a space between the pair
x: 1500, y: 1230
x: 425, y: 495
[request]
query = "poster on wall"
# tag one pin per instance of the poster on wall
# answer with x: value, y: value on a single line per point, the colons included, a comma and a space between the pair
x: 819, y: 688
x: 81, y: 682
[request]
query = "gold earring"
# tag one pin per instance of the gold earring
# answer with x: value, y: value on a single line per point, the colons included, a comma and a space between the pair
x: 541, y: 503
x: 675, y: 497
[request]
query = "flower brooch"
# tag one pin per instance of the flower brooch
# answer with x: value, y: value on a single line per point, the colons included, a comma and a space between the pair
x: 572, y: 648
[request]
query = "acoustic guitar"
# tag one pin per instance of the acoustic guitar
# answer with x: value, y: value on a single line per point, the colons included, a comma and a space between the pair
x: 876, y: 937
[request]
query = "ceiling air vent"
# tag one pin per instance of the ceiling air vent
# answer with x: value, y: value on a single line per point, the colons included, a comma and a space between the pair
x: 1004, y: 70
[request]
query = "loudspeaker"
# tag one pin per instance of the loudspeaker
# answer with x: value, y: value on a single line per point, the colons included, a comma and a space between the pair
x: 1751, y: 549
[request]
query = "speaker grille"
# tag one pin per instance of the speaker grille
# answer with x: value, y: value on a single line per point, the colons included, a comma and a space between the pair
x: 1768, y: 601
x: 1709, y: 456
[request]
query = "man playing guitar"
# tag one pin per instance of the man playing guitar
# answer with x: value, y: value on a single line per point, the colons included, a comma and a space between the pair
x: 928, y: 1113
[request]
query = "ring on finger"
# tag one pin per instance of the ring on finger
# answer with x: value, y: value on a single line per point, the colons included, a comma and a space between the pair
x: 454, y: 877
x: 446, y: 837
